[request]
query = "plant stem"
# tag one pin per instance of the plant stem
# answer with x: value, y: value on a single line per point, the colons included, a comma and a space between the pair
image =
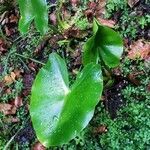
x: 36, y: 61
x: 12, y: 138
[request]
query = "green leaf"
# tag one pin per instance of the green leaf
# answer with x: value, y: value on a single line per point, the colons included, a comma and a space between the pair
x: 27, y: 16
x: 58, y: 112
x: 41, y: 15
x: 105, y: 45
x: 33, y: 10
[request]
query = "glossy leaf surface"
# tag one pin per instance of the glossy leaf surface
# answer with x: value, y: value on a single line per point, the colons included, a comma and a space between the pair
x: 33, y: 10
x: 27, y: 15
x: 58, y: 112
x: 105, y: 45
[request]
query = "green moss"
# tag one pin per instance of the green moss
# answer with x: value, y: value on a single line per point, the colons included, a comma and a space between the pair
x: 130, y: 22
x: 131, y: 129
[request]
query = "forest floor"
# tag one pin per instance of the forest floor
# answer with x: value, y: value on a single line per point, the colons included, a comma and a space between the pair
x: 122, y: 117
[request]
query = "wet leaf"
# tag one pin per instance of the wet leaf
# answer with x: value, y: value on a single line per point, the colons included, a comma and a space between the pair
x: 105, y: 45
x: 60, y: 112
x: 27, y: 15
x: 40, y: 15
x: 33, y: 10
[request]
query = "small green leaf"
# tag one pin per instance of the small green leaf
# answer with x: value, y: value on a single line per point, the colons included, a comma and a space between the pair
x: 33, y: 10
x: 58, y: 112
x: 105, y: 45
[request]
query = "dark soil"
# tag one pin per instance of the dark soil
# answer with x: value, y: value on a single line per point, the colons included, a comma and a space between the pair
x: 113, y: 99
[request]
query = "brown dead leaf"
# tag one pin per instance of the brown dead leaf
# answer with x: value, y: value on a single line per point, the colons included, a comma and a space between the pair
x: 100, y: 10
x: 7, y: 109
x: 18, y: 73
x: 13, y: 76
x: 98, y: 7
x: 95, y: 9
x: 32, y: 66
x: 3, y: 47
x: 100, y: 129
x: 74, y: 3
x: 117, y: 71
x: 4, y: 107
x: 9, y: 31
x: 89, y: 14
x: 66, y: 14
x: 133, y: 79
x: 53, y: 18
x: 92, y: 5
x: 132, y: 3
x: 74, y: 33
x: 106, y: 22
x: 9, y: 79
x: 11, y: 112
x: 11, y: 119
x: 139, y: 49
x: 38, y: 146
x: 1, y: 85
x: 8, y: 91
x: 18, y: 101
x: 13, y: 18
